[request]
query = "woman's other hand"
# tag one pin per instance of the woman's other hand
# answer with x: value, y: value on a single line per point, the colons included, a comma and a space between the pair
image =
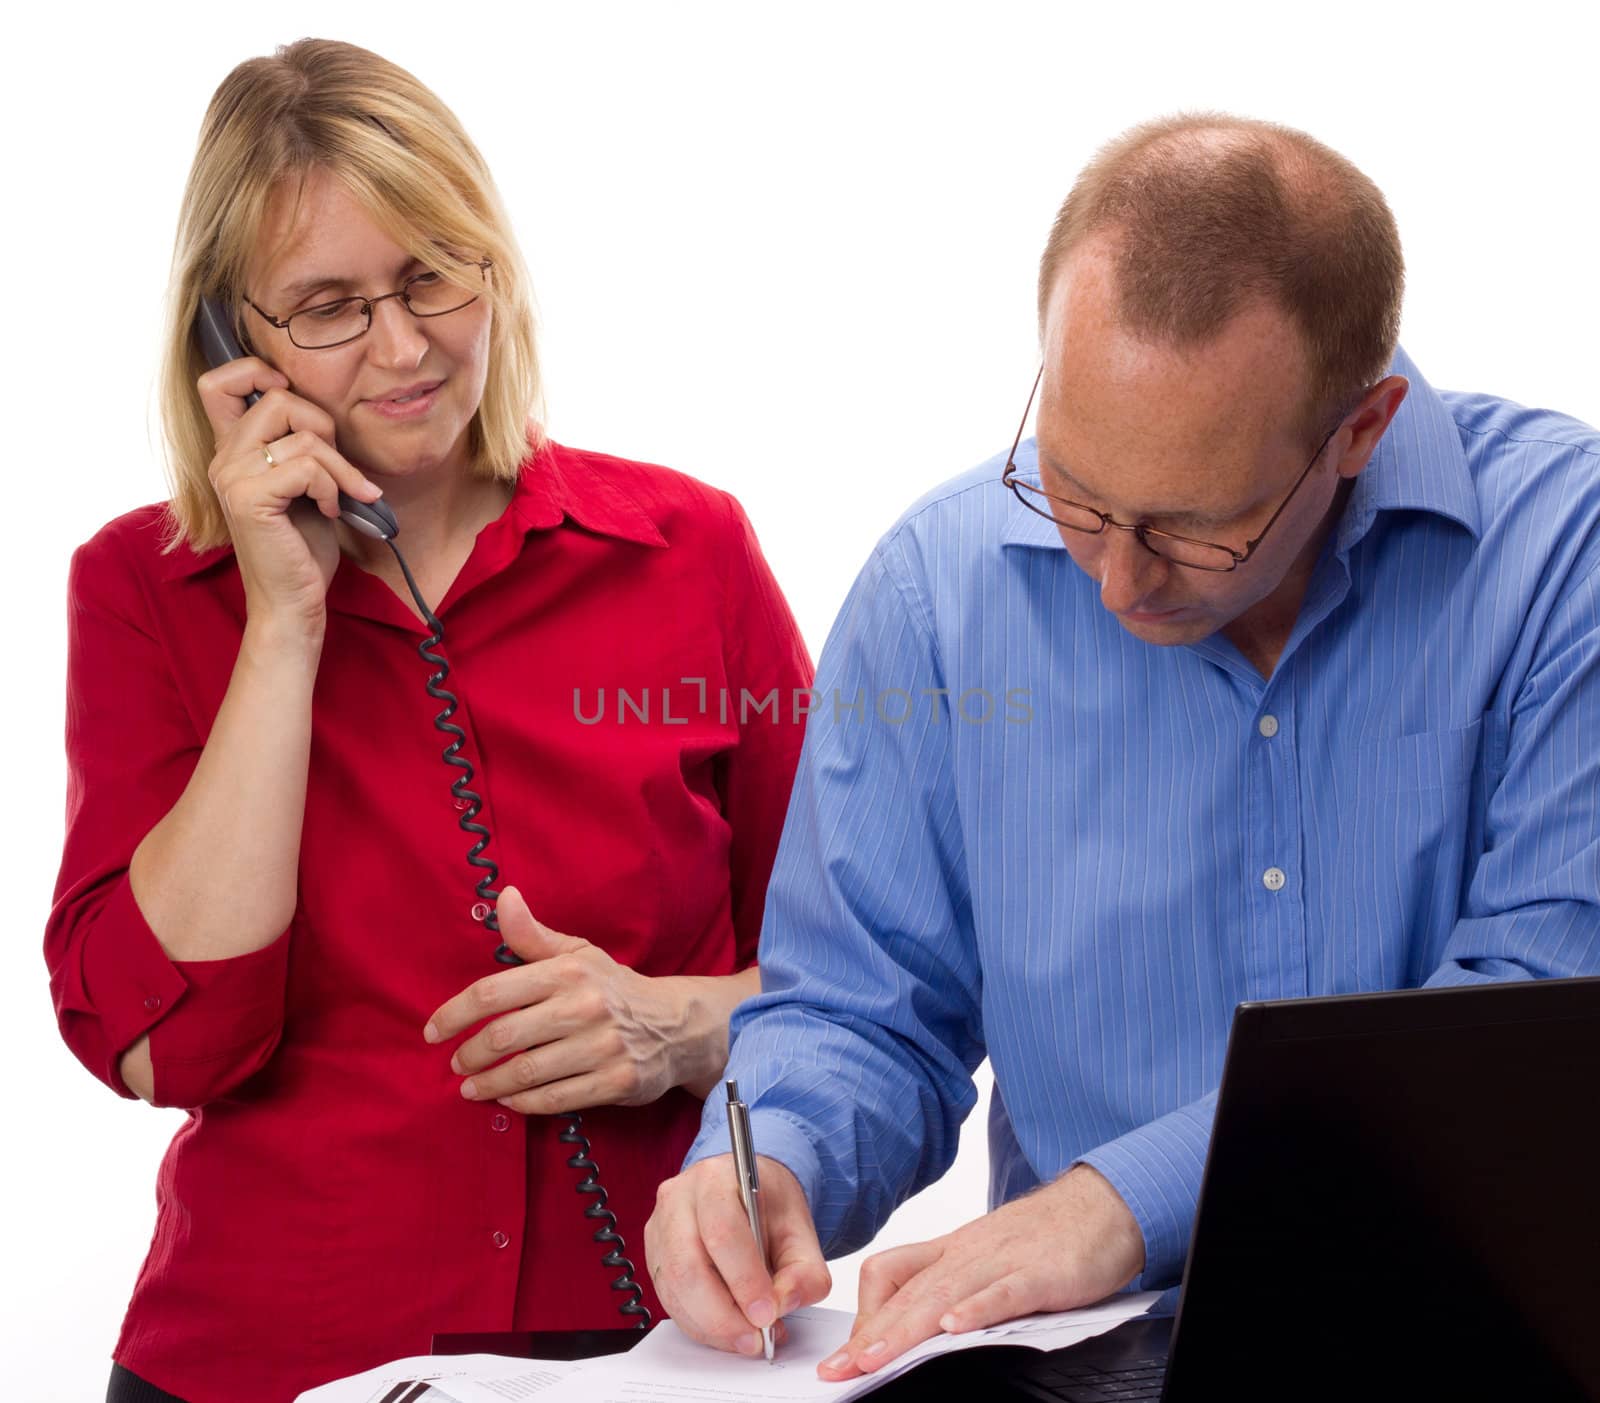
x: 572, y: 1028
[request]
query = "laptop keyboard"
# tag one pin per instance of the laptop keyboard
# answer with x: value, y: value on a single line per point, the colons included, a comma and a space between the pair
x: 1073, y: 1382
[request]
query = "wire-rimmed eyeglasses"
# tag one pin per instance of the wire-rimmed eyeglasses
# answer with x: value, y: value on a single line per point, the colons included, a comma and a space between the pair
x: 1180, y: 550
x: 346, y: 319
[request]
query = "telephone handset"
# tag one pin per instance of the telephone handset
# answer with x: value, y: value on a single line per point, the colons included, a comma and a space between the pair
x: 219, y: 345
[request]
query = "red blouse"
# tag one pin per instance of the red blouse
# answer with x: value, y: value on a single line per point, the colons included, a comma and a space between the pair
x: 616, y: 641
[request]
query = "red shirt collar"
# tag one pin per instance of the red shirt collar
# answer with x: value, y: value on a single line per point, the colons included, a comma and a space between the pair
x: 555, y: 486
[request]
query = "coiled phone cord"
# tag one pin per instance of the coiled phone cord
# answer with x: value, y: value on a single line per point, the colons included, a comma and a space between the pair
x: 219, y: 343
x: 582, y: 1158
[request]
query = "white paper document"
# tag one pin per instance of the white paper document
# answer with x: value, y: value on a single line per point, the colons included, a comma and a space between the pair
x: 443, y: 1378
x: 668, y: 1367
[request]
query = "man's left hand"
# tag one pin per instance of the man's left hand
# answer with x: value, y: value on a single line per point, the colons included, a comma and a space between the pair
x: 1066, y: 1245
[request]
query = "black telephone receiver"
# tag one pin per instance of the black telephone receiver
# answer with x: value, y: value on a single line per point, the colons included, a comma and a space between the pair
x: 219, y: 346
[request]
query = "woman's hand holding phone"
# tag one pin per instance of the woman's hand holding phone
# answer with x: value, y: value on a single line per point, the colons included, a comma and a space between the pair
x: 280, y: 514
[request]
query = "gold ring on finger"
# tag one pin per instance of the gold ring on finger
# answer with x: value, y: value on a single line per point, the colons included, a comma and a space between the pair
x: 267, y: 454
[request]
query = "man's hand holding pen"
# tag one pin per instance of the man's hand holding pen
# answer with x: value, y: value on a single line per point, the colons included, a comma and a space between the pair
x: 706, y: 1264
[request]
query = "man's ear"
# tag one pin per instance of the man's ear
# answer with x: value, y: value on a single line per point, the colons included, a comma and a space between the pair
x: 1369, y: 421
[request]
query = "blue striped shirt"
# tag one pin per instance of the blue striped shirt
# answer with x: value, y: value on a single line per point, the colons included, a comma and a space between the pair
x: 1019, y: 831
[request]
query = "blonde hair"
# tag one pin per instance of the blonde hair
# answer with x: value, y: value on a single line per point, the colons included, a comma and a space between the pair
x: 404, y: 157
x: 1209, y: 211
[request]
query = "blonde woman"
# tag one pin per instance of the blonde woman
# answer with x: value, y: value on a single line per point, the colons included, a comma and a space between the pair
x: 266, y: 912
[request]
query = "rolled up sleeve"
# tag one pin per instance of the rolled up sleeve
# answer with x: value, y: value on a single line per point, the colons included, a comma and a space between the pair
x: 131, y: 748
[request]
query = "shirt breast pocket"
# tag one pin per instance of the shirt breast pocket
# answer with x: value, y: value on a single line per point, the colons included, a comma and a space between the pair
x: 1430, y: 760
x: 1402, y: 827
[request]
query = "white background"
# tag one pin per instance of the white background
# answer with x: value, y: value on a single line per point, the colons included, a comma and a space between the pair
x: 789, y: 249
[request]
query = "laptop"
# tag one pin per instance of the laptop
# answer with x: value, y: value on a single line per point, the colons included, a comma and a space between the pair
x: 1401, y: 1201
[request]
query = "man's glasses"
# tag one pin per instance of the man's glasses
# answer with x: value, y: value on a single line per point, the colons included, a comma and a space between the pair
x: 330, y: 324
x: 1180, y: 550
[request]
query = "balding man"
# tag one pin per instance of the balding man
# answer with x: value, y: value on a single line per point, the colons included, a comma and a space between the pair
x: 1265, y: 670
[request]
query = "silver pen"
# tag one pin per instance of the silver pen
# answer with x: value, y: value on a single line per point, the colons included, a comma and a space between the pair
x: 744, y: 1163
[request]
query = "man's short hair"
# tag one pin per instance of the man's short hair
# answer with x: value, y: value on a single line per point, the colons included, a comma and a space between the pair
x: 1210, y: 211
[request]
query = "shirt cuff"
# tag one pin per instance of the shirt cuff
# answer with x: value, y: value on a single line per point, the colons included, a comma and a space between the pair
x: 1156, y: 1170
x: 128, y: 980
x: 226, y: 1027
x: 211, y: 1022
x: 776, y: 1135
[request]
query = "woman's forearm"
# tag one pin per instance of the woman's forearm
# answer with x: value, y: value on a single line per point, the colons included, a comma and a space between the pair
x: 710, y: 1001
x: 216, y: 877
